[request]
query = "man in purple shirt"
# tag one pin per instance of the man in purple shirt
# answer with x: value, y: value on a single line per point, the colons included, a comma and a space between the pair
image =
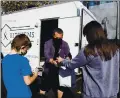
x: 54, y: 48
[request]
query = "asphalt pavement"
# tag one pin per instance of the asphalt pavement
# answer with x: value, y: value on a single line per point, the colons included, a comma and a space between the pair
x: 76, y: 92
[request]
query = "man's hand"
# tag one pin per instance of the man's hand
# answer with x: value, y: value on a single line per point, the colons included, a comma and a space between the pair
x: 59, y: 59
x: 54, y: 62
x: 51, y: 60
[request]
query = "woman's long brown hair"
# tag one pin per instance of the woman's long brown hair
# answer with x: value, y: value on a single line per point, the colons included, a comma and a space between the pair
x: 98, y: 44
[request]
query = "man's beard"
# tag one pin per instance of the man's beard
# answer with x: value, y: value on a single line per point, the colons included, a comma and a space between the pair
x: 57, y: 42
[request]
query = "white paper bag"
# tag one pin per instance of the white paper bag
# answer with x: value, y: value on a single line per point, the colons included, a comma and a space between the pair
x: 65, y: 81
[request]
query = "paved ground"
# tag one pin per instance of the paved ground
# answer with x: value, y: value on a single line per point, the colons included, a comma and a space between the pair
x: 75, y: 91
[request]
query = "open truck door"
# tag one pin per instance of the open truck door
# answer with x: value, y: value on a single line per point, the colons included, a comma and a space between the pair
x: 73, y: 34
x: 86, y: 17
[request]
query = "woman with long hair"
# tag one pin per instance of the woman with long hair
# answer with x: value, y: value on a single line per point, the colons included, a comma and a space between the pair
x: 99, y: 61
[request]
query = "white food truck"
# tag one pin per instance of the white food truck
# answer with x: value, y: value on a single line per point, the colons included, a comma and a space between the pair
x: 38, y: 24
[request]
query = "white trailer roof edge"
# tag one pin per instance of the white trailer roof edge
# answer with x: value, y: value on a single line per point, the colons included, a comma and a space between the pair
x: 33, y: 8
x: 82, y: 7
x: 60, y: 10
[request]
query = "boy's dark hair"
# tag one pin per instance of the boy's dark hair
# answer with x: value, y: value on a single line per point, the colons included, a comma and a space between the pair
x: 19, y: 41
x: 58, y: 30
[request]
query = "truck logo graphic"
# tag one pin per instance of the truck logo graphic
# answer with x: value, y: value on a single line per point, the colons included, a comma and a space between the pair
x: 8, y: 33
x: 5, y: 35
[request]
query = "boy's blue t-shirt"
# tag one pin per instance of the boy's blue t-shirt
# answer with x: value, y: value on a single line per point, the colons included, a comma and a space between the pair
x: 14, y: 67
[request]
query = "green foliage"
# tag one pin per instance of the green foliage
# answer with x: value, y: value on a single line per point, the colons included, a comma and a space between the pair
x: 11, y: 6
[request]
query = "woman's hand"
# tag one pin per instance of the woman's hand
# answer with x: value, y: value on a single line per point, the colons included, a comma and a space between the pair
x: 59, y: 59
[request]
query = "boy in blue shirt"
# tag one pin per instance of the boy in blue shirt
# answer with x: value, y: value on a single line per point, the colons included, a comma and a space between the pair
x: 16, y: 69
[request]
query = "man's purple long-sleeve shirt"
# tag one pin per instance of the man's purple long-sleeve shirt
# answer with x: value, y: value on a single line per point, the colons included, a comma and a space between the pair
x: 49, y: 50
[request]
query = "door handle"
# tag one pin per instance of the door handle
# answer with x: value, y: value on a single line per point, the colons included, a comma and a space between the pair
x: 76, y: 44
